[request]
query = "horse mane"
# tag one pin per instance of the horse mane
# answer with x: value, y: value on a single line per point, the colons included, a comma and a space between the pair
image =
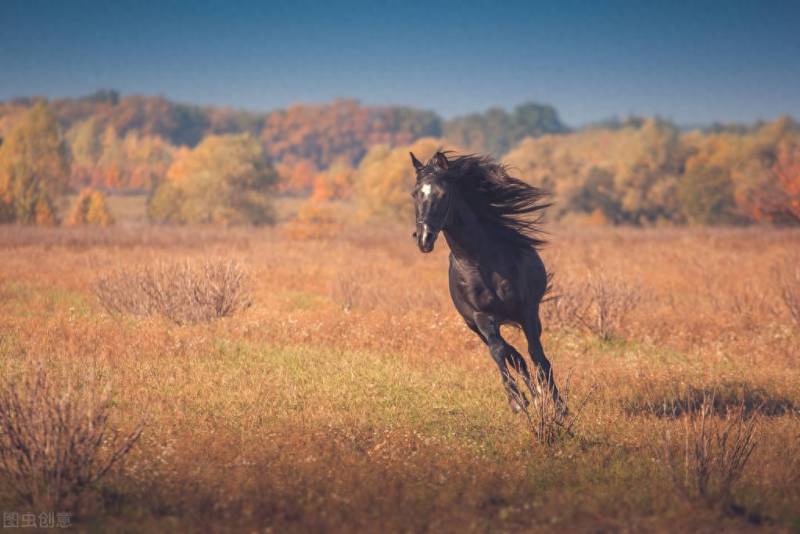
x: 511, y: 207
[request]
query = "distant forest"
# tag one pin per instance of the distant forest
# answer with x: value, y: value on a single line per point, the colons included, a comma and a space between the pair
x: 636, y: 171
x: 320, y: 134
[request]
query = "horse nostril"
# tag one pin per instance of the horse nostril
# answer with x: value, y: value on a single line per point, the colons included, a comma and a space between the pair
x: 414, y: 235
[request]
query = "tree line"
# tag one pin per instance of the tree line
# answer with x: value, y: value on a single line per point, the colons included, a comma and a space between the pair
x: 220, y: 166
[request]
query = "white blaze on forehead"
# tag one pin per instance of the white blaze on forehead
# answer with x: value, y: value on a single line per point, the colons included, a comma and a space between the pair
x: 425, y: 190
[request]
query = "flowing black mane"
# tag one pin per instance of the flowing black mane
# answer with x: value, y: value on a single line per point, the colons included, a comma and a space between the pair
x: 507, y: 204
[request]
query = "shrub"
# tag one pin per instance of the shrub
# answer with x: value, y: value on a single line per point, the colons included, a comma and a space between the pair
x: 549, y: 423
x: 55, y: 443
x: 710, y: 455
x: 600, y: 305
x: 181, y: 292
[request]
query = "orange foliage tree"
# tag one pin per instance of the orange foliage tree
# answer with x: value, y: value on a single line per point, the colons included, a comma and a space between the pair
x: 766, y: 173
x: 296, y: 176
x: 335, y: 183
x: 342, y: 129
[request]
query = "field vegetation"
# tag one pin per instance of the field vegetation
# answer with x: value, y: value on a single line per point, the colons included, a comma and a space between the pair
x: 342, y: 391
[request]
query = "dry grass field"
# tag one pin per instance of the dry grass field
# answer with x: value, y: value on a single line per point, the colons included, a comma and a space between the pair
x: 343, y: 393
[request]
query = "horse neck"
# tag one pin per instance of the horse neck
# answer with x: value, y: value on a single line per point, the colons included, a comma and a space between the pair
x: 465, y: 235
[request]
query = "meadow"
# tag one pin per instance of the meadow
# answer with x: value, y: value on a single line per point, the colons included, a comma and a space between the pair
x: 348, y: 396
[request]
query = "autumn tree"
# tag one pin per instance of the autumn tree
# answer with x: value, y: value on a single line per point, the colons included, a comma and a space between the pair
x: 83, y: 140
x: 334, y: 183
x: 787, y: 171
x: 147, y: 159
x: 767, y: 182
x: 224, y: 180
x: 706, y: 196
x: 101, y: 159
x: 90, y: 208
x: 629, y: 173
x: 34, y: 168
x: 322, y: 134
x: 296, y: 176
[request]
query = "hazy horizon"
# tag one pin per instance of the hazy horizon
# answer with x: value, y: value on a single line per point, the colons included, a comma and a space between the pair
x: 716, y: 62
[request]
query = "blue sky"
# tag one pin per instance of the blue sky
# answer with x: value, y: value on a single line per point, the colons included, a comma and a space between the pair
x: 693, y: 62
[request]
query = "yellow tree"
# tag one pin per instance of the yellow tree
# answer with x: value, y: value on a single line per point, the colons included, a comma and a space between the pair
x: 628, y: 174
x: 84, y: 144
x: 111, y: 162
x: 224, y: 180
x: 34, y: 168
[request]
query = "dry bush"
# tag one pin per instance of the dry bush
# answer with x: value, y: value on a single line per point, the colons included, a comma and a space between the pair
x: 600, y: 305
x: 707, y: 460
x: 549, y: 423
x: 55, y: 442
x: 349, y: 292
x: 180, y: 291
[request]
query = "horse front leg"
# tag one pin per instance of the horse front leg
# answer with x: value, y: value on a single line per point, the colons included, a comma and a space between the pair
x: 502, y: 352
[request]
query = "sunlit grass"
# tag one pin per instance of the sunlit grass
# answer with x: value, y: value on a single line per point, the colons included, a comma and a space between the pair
x: 299, y: 414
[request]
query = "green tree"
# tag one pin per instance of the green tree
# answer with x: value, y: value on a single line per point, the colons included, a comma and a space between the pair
x: 34, y: 168
x: 497, y: 131
x: 224, y: 180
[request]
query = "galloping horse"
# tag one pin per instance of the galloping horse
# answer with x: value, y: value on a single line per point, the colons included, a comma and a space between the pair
x: 490, y: 221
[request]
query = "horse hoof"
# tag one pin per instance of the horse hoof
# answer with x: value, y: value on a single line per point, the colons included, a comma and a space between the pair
x: 515, y: 407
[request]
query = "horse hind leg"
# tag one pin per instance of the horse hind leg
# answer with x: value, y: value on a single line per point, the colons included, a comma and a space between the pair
x: 502, y: 352
x: 518, y: 363
x: 544, y: 371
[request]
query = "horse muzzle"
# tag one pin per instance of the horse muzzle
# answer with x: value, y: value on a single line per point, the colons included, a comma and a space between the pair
x: 425, y: 238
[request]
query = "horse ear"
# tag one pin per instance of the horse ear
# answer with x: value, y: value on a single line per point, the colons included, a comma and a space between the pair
x: 440, y: 160
x: 416, y: 163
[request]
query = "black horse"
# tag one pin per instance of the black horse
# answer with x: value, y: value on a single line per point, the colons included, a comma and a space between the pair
x: 490, y: 221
